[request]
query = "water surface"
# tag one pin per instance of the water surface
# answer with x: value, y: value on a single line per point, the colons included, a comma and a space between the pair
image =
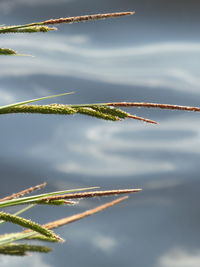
x: 152, y: 56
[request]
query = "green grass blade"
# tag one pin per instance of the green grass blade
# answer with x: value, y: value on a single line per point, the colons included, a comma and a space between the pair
x: 33, y: 100
x: 32, y: 199
x: 9, y: 238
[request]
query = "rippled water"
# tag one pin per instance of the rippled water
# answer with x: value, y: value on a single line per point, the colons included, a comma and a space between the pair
x: 152, y: 56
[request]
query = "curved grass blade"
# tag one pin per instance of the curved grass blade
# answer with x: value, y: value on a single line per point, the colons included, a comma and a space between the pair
x: 9, y: 238
x: 28, y: 224
x: 21, y: 211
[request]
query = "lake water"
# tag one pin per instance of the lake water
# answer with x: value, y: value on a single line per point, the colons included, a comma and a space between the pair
x: 153, y: 56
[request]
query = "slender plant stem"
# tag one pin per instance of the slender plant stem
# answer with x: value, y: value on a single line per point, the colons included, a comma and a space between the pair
x: 28, y: 234
x: 68, y: 20
x: 153, y: 105
x: 93, y: 194
x: 24, y: 192
x: 84, y: 214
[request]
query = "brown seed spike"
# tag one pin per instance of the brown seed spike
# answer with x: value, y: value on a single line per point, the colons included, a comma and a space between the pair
x: 84, y: 214
x: 153, y: 105
x: 86, y: 18
x: 92, y: 194
x: 24, y: 192
x: 141, y: 119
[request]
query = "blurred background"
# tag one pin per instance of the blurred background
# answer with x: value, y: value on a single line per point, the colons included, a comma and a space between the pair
x: 153, y: 56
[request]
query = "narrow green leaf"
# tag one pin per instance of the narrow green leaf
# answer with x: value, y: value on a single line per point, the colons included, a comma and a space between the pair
x: 32, y: 199
x: 58, y: 202
x: 9, y: 238
x: 33, y: 100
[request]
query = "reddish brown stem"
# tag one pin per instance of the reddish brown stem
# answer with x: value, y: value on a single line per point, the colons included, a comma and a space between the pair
x: 86, y: 18
x: 24, y: 192
x: 82, y: 215
x: 153, y: 105
x: 141, y: 119
x: 91, y: 194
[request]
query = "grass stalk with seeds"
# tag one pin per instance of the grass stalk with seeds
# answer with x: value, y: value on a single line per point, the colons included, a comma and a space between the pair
x: 107, y: 111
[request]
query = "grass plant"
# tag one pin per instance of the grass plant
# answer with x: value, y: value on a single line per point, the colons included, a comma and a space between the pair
x: 107, y: 111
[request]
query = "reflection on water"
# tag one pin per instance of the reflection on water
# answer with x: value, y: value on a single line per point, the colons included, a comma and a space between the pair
x: 158, y: 227
x: 149, y: 65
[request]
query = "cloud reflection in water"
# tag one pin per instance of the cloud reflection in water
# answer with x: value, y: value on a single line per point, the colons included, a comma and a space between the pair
x: 171, y: 65
x: 102, y: 150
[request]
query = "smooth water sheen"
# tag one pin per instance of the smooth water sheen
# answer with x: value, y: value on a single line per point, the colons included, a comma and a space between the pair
x: 153, y: 56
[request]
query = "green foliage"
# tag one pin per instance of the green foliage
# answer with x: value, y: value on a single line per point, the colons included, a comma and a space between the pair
x: 54, y: 198
x: 35, y: 230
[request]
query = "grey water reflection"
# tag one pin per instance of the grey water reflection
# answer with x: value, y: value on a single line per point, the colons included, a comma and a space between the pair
x: 152, y: 56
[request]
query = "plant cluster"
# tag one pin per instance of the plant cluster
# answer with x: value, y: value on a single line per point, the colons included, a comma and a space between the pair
x: 105, y: 111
